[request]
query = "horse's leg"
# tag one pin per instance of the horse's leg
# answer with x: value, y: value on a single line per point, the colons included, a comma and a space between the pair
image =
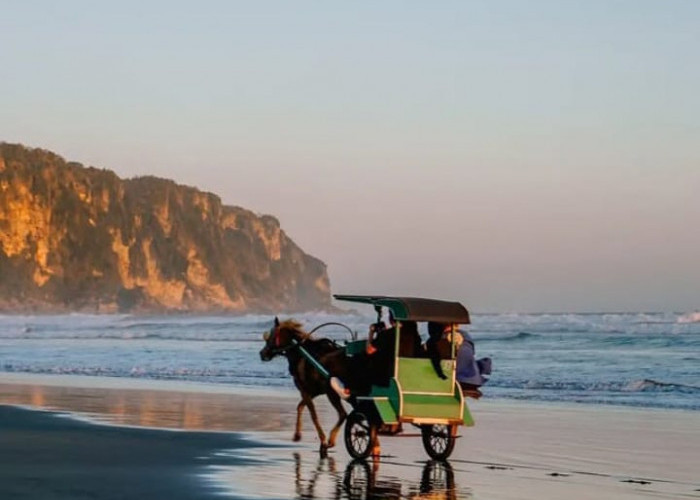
x: 335, y: 401
x: 297, y: 429
x: 314, y: 418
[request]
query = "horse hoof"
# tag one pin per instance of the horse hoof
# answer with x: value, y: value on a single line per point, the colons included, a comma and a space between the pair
x: 297, y: 437
x: 323, y: 451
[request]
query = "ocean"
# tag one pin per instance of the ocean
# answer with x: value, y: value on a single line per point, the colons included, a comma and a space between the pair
x: 632, y: 359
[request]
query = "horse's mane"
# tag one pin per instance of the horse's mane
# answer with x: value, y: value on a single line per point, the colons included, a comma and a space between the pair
x: 296, y: 327
x: 297, y: 330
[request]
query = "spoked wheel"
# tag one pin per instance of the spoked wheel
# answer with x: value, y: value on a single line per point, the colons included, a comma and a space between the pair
x: 359, y: 435
x: 438, y: 440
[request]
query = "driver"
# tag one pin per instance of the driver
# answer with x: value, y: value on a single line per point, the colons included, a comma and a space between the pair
x: 375, y: 366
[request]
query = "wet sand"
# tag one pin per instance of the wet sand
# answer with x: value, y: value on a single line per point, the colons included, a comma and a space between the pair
x: 515, y: 451
x: 46, y: 456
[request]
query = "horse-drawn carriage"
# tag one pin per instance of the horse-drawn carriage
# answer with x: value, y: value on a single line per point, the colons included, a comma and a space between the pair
x: 415, y: 394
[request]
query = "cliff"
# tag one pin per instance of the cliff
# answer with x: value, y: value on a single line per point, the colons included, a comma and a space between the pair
x: 76, y: 238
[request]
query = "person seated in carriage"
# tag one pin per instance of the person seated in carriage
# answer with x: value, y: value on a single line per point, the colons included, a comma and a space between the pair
x: 471, y: 373
x: 375, y: 366
x: 437, y: 347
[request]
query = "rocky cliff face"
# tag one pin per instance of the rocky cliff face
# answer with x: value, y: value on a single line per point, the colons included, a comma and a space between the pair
x: 76, y: 238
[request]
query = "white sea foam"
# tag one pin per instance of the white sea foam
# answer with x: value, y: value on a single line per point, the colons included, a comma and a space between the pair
x: 693, y: 317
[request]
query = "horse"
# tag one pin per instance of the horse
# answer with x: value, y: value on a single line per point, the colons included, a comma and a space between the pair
x: 284, y: 339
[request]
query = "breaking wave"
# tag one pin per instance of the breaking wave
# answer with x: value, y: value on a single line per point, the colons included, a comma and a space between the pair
x: 209, y: 375
x: 507, y: 338
x: 653, y: 385
x: 643, y: 385
x: 693, y: 317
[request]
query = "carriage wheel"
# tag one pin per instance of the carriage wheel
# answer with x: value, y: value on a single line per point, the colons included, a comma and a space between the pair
x: 438, y: 440
x: 359, y: 435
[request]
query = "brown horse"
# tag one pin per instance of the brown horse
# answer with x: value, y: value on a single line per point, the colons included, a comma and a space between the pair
x: 284, y: 339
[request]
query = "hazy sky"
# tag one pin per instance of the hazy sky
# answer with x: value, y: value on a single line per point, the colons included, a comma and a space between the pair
x: 514, y: 155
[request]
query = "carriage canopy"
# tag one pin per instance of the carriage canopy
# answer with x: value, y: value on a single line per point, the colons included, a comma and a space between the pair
x: 415, y: 308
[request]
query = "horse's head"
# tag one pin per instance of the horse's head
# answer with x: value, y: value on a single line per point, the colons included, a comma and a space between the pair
x: 281, y: 337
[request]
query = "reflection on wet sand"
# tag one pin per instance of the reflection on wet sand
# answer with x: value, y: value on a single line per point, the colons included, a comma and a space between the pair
x: 362, y: 480
x: 154, y: 408
x: 437, y: 482
x: 325, y: 478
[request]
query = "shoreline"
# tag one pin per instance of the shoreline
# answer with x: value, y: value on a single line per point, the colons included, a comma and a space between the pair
x: 186, y: 386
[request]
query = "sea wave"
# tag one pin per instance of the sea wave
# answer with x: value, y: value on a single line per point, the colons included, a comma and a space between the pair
x: 693, y: 317
x: 195, y: 328
x: 647, y: 385
x: 520, y: 336
x: 137, y: 335
x: 209, y: 375
x: 134, y: 335
x: 641, y: 385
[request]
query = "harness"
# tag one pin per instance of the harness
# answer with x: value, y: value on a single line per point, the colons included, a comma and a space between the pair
x: 274, y: 333
x: 296, y: 344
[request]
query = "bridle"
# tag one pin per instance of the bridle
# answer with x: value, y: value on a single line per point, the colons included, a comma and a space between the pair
x: 274, y: 335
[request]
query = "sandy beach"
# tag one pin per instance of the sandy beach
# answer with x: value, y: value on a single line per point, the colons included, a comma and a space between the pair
x: 105, y: 438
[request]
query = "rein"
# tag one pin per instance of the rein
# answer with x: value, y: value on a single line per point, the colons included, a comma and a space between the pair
x: 295, y: 343
x: 353, y: 334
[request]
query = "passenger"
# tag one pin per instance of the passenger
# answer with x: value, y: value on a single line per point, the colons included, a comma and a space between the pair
x: 471, y: 374
x: 409, y: 343
x: 437, y: 347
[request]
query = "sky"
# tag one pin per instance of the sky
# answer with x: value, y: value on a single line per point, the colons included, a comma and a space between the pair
x: 516, y: 156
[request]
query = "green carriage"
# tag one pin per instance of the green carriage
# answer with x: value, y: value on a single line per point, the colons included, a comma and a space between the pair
x: 415, y: 393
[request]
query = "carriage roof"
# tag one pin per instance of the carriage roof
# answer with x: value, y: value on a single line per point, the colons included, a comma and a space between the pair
x: 415, y: 308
